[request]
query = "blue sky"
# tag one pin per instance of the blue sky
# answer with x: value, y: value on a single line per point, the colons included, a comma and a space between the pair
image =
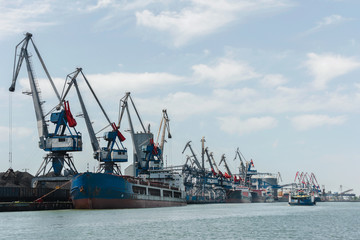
x: 277, y: 78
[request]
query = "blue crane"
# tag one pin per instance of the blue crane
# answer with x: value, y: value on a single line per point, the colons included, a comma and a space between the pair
x: 64, y: 138
x: 114, y: 152
x: 147, y: 155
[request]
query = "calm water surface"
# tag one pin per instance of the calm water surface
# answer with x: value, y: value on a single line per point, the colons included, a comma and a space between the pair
x: 215, y: 221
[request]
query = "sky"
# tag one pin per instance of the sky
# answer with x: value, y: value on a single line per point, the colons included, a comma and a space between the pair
x: 278, y: 79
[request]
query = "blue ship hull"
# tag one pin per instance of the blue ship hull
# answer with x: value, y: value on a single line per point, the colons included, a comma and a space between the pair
x: 107, y: 191
x: 302, y: 200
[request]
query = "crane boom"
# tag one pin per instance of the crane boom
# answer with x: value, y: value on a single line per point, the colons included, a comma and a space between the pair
x: 208, y: 157
x: 164, y: 126
x: 40, y: 118
x: 192, y: 151
x: 214, y: 163
x: 225, y: 163
x: 94, y: 142
x: 242, y: 165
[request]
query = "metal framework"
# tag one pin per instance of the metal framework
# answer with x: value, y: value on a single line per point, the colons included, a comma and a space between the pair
x: 64, y: 138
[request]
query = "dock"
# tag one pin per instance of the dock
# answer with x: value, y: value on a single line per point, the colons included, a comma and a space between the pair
x: 33, y: 206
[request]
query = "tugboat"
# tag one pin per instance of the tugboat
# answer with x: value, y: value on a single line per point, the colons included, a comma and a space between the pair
x: 301, y: 197
x: 305, y: 190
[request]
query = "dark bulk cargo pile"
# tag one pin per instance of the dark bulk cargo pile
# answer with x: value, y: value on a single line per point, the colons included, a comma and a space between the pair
x: 16, y: 186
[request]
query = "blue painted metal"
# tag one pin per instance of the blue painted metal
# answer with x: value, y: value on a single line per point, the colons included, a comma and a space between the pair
x: 103, y: 190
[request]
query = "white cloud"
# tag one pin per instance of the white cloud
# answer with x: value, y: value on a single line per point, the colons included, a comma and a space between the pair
x: 225, y: 72
x: 108, y: 86
x: 235, y: 94
x: 326, y: 67
x: 185, y: 25
x: 327, y: 21
x: 122, y: 5
x: 117, y: 82
x: 46, y: 90
x: 249, y: 101
x: 202, y: 17
x: 235, y: 125
x: 4, y: 134
x: 19, y: 16
x: 273, y: 80
x: 17, y: 132
x: 182, y: 105
x: 117, y: 12
x: 100, y: 5
x: 308, y: 121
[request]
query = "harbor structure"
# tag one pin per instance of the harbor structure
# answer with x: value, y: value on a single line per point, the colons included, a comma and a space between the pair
x: 64, y: 138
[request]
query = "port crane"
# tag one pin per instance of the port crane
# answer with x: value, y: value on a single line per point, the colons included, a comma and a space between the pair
x: 164, y: 126
x: 214, y: 164
x: 243, y: 168
x: 210, y: 162
x: 345, y: 192
x: 195, y: 160
x: 306, y: 180
x: 147, y: 156
x: 114, y: 152
x: 228, y: 173
x: 199, y: 181
x: 64, y: 138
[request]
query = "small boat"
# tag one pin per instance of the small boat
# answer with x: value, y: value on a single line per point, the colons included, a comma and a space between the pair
x: 301, y: 197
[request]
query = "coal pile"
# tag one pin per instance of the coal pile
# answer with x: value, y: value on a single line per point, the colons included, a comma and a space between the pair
x: 12, y: 178
x: 16, y: 186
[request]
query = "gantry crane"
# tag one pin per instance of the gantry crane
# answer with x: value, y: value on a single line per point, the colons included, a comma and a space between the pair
x: 65, y: 138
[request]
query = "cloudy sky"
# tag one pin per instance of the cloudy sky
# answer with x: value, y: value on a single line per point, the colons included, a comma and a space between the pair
x: 277, y: 78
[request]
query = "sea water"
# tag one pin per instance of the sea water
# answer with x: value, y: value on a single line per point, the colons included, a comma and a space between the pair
x: 326, y: 220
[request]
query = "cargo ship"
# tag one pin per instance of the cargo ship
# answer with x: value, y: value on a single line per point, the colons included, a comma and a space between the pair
x: 239, y: 194
x: 258, y: 195
x: 145, y: 184
x: 106, y: 191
